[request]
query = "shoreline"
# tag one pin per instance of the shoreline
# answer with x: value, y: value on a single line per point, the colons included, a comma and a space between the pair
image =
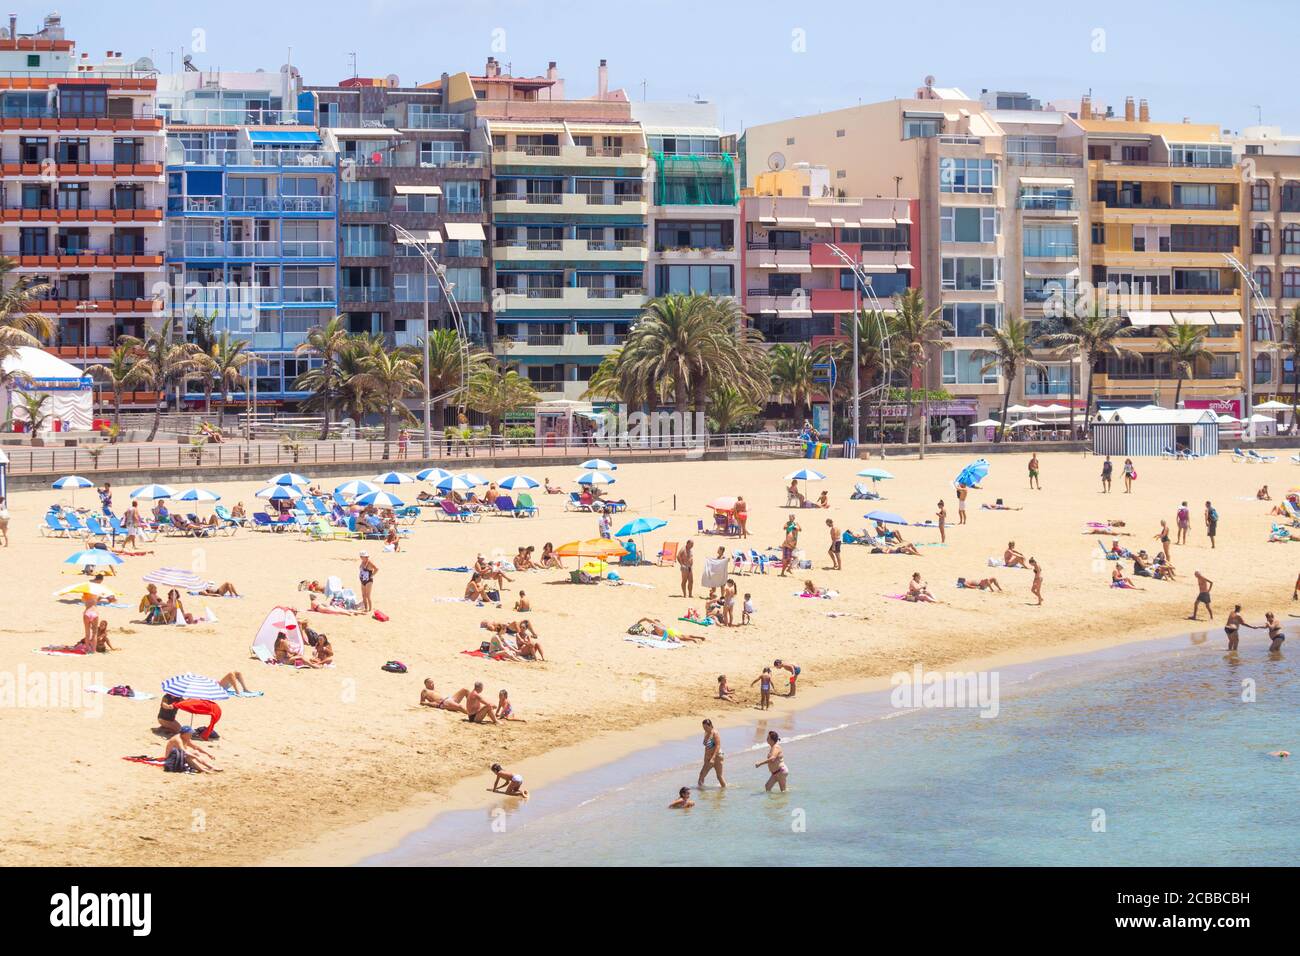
x: 352, y: 845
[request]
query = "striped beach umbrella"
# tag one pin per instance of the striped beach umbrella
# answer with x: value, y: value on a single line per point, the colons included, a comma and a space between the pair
x: 433, y: 474
x: 598, y: 464
x: 288, y: 478
x: 350, y: 489
x: 152, y: 492
x: 511, y: 482
x: 196, y: 494
x: 455, y: 483
x: 394, y: 478
x: 73, y: 481
x: 381, y: 499
x: 596, y: 478
x: 474, y: 478
x: 281, y: 492
x: 194, y: 687
x: 175, y: 578
x: 93, y: 558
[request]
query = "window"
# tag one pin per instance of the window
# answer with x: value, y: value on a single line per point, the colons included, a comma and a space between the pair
x: 1050, y: 242
x: 33, y: 60
x: 969, y: 224
x: 967, y: 175
x: 839, y: 134
x: 1098, y: 234
x: 693, y: 235
x: 1263, y: 368
x: 1261, y: 240
x: 1263, y: 327
x: 74, y: 195
x: 72, y: 149
x: 1291, y: 241
x: 840, y: 174
x: 1200, y: 154
x: 963, y: 367
x: 463, y: 196
x: 1202, y: 238
x: 920, y: 128
x: 878, y: 239
x: 710, y: 280
x: 33, y: 242
x: 128, y: 151
x: 1291, y: 284
x: 1291, y: 196
x: 1264, y: 279
x: 83, y: 100
x: 1196, y: 196
x: 789, y: 141
x: 1259, y: 196
x: 971, y: 273
x: 966, y: 318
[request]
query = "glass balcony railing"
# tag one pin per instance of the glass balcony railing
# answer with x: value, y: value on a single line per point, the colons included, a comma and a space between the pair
x: 252, y: 157
x: 366, y: 293
x: 367, y: 248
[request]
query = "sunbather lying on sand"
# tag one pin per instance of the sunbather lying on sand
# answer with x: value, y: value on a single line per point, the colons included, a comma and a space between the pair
x: 999, y: 506
x: 318, y: 608
x: 657, y: 628
x: 978, y: 583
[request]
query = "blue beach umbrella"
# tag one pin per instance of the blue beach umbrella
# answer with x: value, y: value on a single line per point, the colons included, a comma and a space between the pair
x: 281, y: 493
x: 511, y: 482
x: 350, y: 489
x: 153, y: 492
x: 196, y: 494
x: 289, y: 478
x: 641, y: 527
x: 455, y: 483
x: 885, y: 517
x: 93, y: 557
x: 473, y: 478
x: 433, y: 474
x: 973, y: 473
x: 394, y: 478
x: 805, y: 474
x: 73, y: 481
x: 194, y: 687
x: 598, y: 464
x: 380, y: 499
x: 596, y: 478
x: 875, y: 474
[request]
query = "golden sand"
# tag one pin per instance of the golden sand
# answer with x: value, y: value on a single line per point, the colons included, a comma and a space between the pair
x: 332, y: 764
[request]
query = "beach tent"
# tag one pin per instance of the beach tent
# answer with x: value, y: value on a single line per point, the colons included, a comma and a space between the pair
x: 69, y: 393
x: 1148, y: 432
x: 281, y: 620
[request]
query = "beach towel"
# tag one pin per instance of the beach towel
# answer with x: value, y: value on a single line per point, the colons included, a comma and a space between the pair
x: 897, y: 597
x: 451, y: 600
x: 245, y: 693
x: 460, y: 570
x: 654, y: 643
x: 825, y: 597
x: 60, y: 651
x: 702, y: 622
x: 145, y: 759
x: 714, y: 574
x: 477, y: 653
x: 137, y: 695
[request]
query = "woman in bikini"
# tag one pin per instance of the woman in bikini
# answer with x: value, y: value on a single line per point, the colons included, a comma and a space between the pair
x: 429, y: 697
x: 775, y: 761
x: 1232, y: 626
x: 713, y: 758
x: 549, y: 558
x: 1163, y: 537
x: 89, y: 619
x: 1036, y: 589
x: 741, y: 514
x: 1118, y: 580
x: 917, y: 590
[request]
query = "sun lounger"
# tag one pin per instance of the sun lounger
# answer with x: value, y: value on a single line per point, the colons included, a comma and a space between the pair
x: 526, y: 505
x: 53, y: 528
x: 862, y: 492
x: 94, y: 529
x: 1107, y: 552
x: 447, y: 509
x: 575, y: 503
x: 1256, y: 456
x: 1239, y: 455
x: 505, y: 505
x: 73, y: 523
x: 407, y: 515
x: 668, y: 553
x: 322, y: 530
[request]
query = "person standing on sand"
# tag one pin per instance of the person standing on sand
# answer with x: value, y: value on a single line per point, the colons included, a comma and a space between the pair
x: 1203, y: 585
x: 712, y: 756
x: 778, y: 772
x: 834, y: 551
x: 764, y: 682
x: 942, y: 515
x: 1033, y: 473
x: 788, y: 546
x: 1163, y: 537
x: 1130, y: 475
x: 1036, y: 589
x: 1106, y: 469
x: 686, y: 562
x: 366, y: 572
x: 962, y: 492
x: 1211, y: 522
x: 741, y: 514
x: 4, y: 522
x: 1184, y: 521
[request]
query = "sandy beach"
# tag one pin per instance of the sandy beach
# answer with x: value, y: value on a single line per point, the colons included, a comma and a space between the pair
x: 333, y: 764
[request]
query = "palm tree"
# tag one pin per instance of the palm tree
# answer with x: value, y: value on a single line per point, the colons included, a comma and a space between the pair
x: 121, y: 371
x: 19, y: 324
x: 162, y: 362
x: 1186, y: 346
x: 1013, y: 350
x: 916, y: 332
x: 496, y: 391
x: 390, y: 376
x: 604, y: 384
x: 733, y: 354
x: 33, y: 404
x: 451, y: 365
x: 793, y: 375
x: 873, y: 332
x: 1288, y: 346
x: 1092, y: 338
x: 728, y: 405
x: 228, y: 359
x: 326, y: 342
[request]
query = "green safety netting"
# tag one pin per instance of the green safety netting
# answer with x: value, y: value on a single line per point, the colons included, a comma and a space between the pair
x: 695, y: 180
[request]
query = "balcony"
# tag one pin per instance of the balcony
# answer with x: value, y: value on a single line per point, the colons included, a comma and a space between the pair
x: 793, y: 304
x: 258, y: 158
x: 1159, y: 259
x: 364, y: 293
x: 581, y: 250
x: 1057, y: 160
x: 47, y: 120
x: 579, y: 204
x: 1160, y: 171
x: 252, y: 205
x: 366, y: 249
x: 570, y: 298
x: 14, y: 168
x: 557, y: 345
x: 577, y: 156
x: 446, y: 160
x: 84, y: 259
x: 1049, y: 206
x: 369, y: 205
x: 1155, y: 214
x: 89, y: 213
x: 251, y: 249
x: 237, y: 115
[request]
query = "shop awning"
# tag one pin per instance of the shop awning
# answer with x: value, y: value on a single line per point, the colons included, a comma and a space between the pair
x: 1193, y: 318
x: 1143, y: 318
x: 418, y: 190
x: 421, y: 235
x: 464, y: 231
x: 1035, y: 181
x: 1227, y: 318
x: 283, y: 137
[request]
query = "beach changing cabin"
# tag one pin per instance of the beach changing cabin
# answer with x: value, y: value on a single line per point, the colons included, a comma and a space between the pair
x: 1151, y: 432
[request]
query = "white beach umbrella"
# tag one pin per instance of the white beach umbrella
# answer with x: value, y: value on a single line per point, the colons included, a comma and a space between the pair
x: 394, y: 478
x: 350, y: 489
x: 153, y: 492
x: 434, y: 475
x: 1273, y: 405
x: 1025, y: 423
x: 511, y: 482
x: 987, y: 423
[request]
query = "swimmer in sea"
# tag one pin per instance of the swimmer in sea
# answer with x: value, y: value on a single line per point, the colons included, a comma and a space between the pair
x: 683, y: 801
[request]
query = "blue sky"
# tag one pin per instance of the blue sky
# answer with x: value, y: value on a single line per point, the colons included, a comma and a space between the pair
x: 1211, y: 61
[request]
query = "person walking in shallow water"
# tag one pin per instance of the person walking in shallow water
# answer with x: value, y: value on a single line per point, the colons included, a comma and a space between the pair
x: 713, y: 758
x: 778, y: 772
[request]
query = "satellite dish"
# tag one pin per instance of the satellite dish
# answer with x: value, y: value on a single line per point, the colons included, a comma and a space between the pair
x: 776, y: 162
x: 144, y: 65
x: 392, y: 80
x: 929, y: 81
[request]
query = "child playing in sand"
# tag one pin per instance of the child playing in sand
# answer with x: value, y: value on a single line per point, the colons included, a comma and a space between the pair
x: 764, y: 682
x: 794, y: 670
x: 725, y: 691
x: 513, y: 782
x: 747, y: 610
x: 523, y: 606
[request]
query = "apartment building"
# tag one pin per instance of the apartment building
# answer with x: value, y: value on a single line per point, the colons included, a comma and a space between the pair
x: 81, y: 196
x: 1165, y: 220
x: 693, y: 196
x: 413, y: 177
x: 1270, y: 165
x: 569, y: 223
x: 252, y: 217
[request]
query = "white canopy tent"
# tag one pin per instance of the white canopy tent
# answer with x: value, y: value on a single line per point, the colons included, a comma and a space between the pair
x: 1152, y: 431
x: 69, y: 394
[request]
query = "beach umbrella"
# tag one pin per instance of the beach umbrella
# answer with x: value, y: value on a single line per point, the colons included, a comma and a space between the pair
x: 725, y: 503
x: 1025, y: 423
x: 194, y: 687
x: 1263, y: 419
x: 986, y: 423
x: 93, y: 557
x: 1274, y: 405
x: 87, y: 587
x: 432, y: 474
x: 875, y: 474
x: 885, y: 517
x: 73, y: 482
x: 1227, y: 419
x: 598, y: 464
x: 973, y: 474
x: 511, y: 482
x: 394, y: 478
x: 380, y: 499
x: 288, y: 478
x: 1054, y: 407
x: 592, y: 548
x: 196, y: 494
x: 805, y: 475
x: 175, y: 578
x: 281, y: 492
x: 596, y: 478
x: 152, y: 492
x: 641, y: 527
x: 350, y: 489
x: 474, y: 478
x: 455, y: 483
x: 1019, y: 409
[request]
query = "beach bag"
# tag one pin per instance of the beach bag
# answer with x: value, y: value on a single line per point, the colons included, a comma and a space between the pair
x: 380, y: 616
x: 485, y: 648
x: 636, y: 630
x: 175, y: 762
x: 393, y: 667
x: 121, y: 690
x: 1214, y: 515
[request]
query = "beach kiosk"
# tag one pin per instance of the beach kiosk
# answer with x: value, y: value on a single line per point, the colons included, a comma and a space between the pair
x: 1152, y: 432
x: 69, y: 393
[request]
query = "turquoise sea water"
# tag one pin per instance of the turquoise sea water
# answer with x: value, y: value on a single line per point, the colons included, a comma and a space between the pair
x: 1156, y: 737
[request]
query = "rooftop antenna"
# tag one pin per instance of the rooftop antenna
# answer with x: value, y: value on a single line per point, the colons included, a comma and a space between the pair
x: 353, y: 55
x: 1259, y: 115
x: 643, y: 91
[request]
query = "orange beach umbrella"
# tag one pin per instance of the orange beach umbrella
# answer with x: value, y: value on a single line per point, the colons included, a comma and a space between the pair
x: 592, y: 548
